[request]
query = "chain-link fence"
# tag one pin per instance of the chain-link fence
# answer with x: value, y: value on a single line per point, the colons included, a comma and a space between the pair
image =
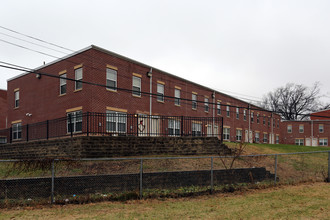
x: 63, y: 181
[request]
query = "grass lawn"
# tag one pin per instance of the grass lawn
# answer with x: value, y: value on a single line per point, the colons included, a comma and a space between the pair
x: 304, y: 201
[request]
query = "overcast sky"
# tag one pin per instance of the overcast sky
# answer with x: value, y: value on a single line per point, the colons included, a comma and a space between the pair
x: 244, y: 48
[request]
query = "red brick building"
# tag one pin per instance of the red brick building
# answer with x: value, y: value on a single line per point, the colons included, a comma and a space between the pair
x: 126, y: 89
x: 313, y: 132
x: 3, y: 108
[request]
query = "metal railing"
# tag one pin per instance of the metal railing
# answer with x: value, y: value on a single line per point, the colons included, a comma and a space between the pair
x: 68, y: 180
x: 115, y: 124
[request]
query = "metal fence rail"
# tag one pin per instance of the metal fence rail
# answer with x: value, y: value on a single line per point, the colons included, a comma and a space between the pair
x: 67, y: 180
x: 116, y: 124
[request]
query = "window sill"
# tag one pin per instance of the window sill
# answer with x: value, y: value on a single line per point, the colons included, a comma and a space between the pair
x: 136, y: 96
x: 195, y: 109
x: 161, y: 101
x: 61, y: 95
x: 77, y: 90
x: 112, y: 90
x: 16, y: 108
x: 177, y: 105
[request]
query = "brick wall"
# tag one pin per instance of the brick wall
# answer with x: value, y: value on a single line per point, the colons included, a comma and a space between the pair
x: 40, y: 97
x: 102, y: 184
x: 102, y: 147
x: 3, y: 108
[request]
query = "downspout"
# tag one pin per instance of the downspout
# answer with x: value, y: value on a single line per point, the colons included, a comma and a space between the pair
x: 150, y: 93
x: 213, y: 112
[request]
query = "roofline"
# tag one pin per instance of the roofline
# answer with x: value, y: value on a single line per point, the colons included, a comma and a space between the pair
x: 320, y: 111
x: 130, y: 60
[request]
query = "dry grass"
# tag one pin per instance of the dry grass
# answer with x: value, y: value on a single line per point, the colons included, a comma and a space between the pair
x: 304, y: 201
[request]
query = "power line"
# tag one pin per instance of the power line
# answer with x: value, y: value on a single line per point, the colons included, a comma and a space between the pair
x: 143, y: 93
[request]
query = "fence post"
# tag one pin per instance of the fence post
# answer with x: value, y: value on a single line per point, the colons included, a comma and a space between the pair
x: 212, y: 183
x: 53, y: 183
x: 71, y: 125
x: 87, y: 129
x: 47, y: 129
x: 10, y: 134
x: 27, y: 132
x: 182, y: 125
x: 275, y: 179
x: 141, y: 179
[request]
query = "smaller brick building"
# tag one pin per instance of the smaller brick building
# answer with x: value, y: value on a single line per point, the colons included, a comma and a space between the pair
x: 3, y: 109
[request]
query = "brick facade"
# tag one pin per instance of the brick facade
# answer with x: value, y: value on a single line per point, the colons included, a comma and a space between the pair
x: 3, y: 108
x: 40, y: 99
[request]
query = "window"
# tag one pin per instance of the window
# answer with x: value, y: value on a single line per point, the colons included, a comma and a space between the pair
x: 252, y: 117
x: 116, y: 121
x: 323, y: 142
x: 244, y: 114
x: 63, y: 84
x: 257, y: 137
x: 3, y: 140
x: 226, y: 134
x: 16, y: 94
x: 264, y: 120
x: 194, y: 101
x: 206, y: 104
x: 258, y: 118
x: 237, y: 113
x: 17, y: 131
x: 265, y: 138
x: 160, y: 92
x: 136, y: 86
x: 219, y: 108
x: 74, y: 121
x: 238, y: 134
x: 277, y: 139
x: 268, y: 122
x: 111, y: 79
x: 299, y: 142
x: 321, y: 128
x: 196, y: 129
x: 289, y: 128
x: 78, y: 75
x: 301, y: 128
x: 174, y: 127
x: 177, y: 96
x: 228, y: 111
x: 278, y: 123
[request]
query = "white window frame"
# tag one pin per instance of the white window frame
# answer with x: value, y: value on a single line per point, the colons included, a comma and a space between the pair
x: 174, y: 127
x: 277, y: 139
x: 244, y: 114
x: 219, y: 108
x: 160, y: 92
x: 63, y: 86
x: 239, y: 135
x: 265, y: 138
x: 76, y: 120
x: 116, y: 121
x: 257, y: 137
x: 301, y: 129
x: 196, y: 129
x: 177, y: 97
x: 226, y: 133
x: 228, y: 111
x: 321, y: 128
x: 258, y: 119
x: 299, y: 141
x: 136, y: 86
x: 206, y: 105
x: 17, y: 131
x: 78, y: 75
x: 16, y: 99
x: 289, y: 128
x: 252, y: 117
x: 237, y: 113
x: 323, y: 142
x: 194, y: 101
x: 111, y: 79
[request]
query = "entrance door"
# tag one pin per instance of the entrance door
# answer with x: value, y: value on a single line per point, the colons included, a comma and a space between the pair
x: 246, y: 136
x: 314, y: 142
x: 308, y: 142
x: 209, y: 130
x: 250, y: 137
x: 143, y: 125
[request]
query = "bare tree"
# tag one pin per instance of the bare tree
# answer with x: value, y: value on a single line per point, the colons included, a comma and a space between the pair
x: 293, y: 101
